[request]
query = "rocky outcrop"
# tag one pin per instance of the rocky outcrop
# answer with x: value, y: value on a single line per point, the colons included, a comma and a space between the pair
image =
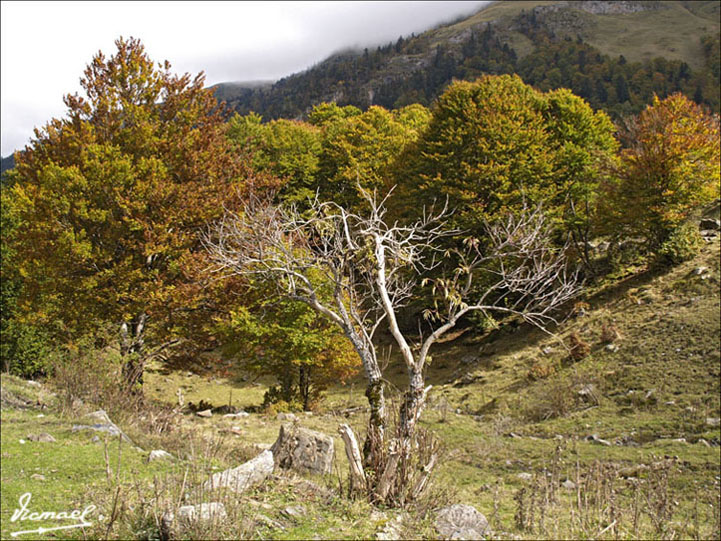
x: 187, y: 514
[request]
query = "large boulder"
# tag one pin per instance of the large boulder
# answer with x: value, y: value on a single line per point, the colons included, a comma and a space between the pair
x: 460, y: 521
x: 710, y: 224
x: 244, y: 476
x: 303, y: 450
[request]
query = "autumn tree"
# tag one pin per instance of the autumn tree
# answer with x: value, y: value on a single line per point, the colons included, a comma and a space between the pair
x: 670, y: 167
x: 109, y: 201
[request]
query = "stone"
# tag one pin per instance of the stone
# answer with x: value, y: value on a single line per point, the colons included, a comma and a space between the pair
x: 547, y: 350
x: 460, y: 521
x: 698, y: 271
x: 713, y: 422
x: 37, y: 477
x: 204, y: 413
x: 595, y: 439
x: 703, y: 442
x: 42, y: 437
x: 569, y: 485
x: 392, y: 529
x: 304, y: 450
x: 203, y: 512
x: 294, y: 511
x: 101, y: 423
x: 613, y: 348
x: 525, y: 476
x: 709, y: 224
x: 159, y: 454
x: 286, y: 417
x: 239, y: 414
x: 244, y: 476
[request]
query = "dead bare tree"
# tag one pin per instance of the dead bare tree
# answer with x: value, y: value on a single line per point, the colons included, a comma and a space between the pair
x: 358, y: 270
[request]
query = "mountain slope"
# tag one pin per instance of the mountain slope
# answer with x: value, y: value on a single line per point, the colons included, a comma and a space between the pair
x: 501, y: 38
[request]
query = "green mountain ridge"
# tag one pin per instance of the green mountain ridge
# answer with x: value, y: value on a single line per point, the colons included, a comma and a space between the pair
x: 503, y: 36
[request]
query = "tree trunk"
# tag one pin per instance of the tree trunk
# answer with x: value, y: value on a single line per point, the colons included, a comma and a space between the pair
x: 132, y: 340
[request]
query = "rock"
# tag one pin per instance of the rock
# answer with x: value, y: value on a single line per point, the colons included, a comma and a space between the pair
x: 709, y: 224
x: 703, y: 442
x: 37, y: 477
x: 547, y: 350
x: 204, y: 413
x: 96, y: 439
x: 392, y: 529
x: 203, y: 512
x: 286, y: 417
x: 22, y: 442
x: 525, y: 476
x: 239, y: 414
x: 159, y: 454
x: 42, y: 437
x: 679, y: 440
x: 101, y: 423
x: 595, y: 439
x: 698, y: 271
x: 294, y: 511
x: 460, y: 521
x: 514, y: 435
x: 713, y: 422
x: 244, y: 476
x: 569, y: 485
x: 303, y: 450
x: 613, y: 348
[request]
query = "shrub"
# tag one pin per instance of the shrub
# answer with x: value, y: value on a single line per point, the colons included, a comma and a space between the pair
x: 541, y: 369
x: 683, y: 244
x: 609, y: 333
x: 579, y: 349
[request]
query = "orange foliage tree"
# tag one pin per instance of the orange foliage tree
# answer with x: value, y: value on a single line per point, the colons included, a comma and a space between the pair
x: 110, y: 199
x: 670, y: 167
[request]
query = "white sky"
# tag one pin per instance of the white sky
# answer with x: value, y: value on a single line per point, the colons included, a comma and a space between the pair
x: 45, y: 46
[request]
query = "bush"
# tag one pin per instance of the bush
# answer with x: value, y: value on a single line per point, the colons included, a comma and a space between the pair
x: 26, y: 350
x: 579, y: 349
x: 542, y: 369
x: 683, y: 244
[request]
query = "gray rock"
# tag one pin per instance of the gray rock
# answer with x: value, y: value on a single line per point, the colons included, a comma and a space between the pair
x: 101, y: 423
x: 239, y: 414
x: 294, y: 511
x: 303, y: 450
x: 703, y: 442
x: 244, y: 476
x: 42, y: 437
x: 392, y: 529
x: 613, y: 348
x: 713, y: 422
x: 37, y: 477
x: 264, y: 520
x: 595, y: 439
x: 204, y: 512
x: 698, y: 271
x: 460, y: 521
x: 709, y: 224
x: 525, y: 476
x: 569, y: 485
x: 159, y: 454
x: 286, y: 417
x: 204, y: 413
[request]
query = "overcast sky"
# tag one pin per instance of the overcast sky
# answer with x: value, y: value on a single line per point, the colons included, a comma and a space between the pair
x: 46, y: 45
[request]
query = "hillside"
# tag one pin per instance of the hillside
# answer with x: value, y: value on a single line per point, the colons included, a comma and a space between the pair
x: 624, y: 443
x: 540, y: 40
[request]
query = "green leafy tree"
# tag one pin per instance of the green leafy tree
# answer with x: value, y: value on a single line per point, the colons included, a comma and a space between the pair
x: 497, y: 144
x: 110, y: 199
x: 290, y: 342
x: 670, y: 167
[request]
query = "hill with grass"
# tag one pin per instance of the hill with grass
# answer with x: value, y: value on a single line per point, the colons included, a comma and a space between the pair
x: 622, y: 441
x: 614, y: 54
